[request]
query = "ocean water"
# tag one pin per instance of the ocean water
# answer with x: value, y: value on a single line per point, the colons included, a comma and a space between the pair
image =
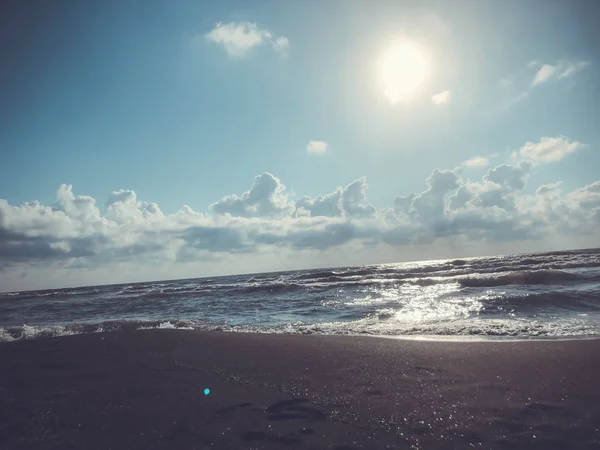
x: 542, y: 295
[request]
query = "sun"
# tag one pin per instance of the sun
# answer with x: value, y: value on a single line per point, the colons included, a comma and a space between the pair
x: 402, y: 68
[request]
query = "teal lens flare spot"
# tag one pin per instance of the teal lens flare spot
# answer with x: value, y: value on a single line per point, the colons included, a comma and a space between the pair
x: 206, y: 391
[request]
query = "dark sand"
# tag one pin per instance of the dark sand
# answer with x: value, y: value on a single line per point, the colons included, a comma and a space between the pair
x: 144, y: 390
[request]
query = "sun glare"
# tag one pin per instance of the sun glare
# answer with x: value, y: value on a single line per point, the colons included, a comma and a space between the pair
x: 402, y: 68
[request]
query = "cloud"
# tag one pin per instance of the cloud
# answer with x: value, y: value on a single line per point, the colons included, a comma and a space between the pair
x: 350, y: 201
x: 266, y: 198
x: 328, y: 205
x: 543, y: 74
x: 123, y: 207
x: 549, y: 149
x: 560, y: 70
x: 215, y: 238
x: 354, y: 198
x: 76, y: 233
x: 568, y: 68
x: 430, y: 205
x: 239, y: 38
x: 281, y: 44
x: 477, y: 162
x: 442, y: 98
x: 548, y: 188
x: 317, y: 147
x: 318, y: 236
x: 511, y: 176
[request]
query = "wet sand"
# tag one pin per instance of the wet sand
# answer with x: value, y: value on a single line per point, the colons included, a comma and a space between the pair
x: 145, y: 390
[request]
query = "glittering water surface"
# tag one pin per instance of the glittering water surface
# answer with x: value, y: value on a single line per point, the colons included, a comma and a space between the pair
x: 531, y: 295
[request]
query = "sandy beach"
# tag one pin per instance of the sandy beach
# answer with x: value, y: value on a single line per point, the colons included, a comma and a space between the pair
x: 146, y: 389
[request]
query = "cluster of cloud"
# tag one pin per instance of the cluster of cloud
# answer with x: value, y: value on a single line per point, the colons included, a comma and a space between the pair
x: 76, y: 232
x: 544, y: 73
x: 239, y: 38
x: 558, y: 71
x: 548, y: 149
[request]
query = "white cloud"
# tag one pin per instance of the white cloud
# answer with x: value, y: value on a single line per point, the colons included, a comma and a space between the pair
x: 512, y: 177
x: 569, y: 68
x: 442, y: 97
x: 354, y: 199
x: 281, y: 44
x: 543, y: 74
x: 239, y: 38
x: 547, y: 188
x: 549, y: 149
x: 266, y: 198
x: 349, y: 201
x: 317, y: 147
x: 328, y: 205
x: 75, y: 233
x: 560, y: 70
x: 477, y: 162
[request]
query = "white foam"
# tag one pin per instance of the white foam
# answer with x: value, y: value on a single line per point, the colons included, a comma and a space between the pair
x: 34, y: 332
x: 167, y: 326
x: 5, y: 336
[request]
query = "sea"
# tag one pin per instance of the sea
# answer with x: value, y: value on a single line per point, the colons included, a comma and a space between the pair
x: 553, y: 295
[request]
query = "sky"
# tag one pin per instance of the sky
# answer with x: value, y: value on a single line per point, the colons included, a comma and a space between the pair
x: 147, y: 140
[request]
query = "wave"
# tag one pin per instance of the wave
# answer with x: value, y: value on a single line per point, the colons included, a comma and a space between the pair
x: 458, y: 262
x: 519, y: 269
x: 51, y: 293
x: 379, y: 325
x: 382, y: 323
x: 279, y: 287
x: 520, y: 278
x: 33, y: 331
x: 26, y: 332
x: 452, y: 268
x: 317, y: 274
x: 10, y: 294
x: 568, y: 301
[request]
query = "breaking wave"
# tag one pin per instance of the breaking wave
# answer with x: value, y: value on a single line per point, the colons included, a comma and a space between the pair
x: 377, y: 325
x: 26, y: 332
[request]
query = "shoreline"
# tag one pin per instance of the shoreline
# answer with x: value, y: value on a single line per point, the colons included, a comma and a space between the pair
x: 49, y: 331
x: 145, y: 389
x: 466, y: 338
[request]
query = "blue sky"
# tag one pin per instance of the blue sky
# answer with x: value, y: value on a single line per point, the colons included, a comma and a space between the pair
x: 186, y: 103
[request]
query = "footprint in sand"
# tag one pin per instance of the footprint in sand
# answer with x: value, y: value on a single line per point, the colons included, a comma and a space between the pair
x: 293, y: 409
x: 298, y: 408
